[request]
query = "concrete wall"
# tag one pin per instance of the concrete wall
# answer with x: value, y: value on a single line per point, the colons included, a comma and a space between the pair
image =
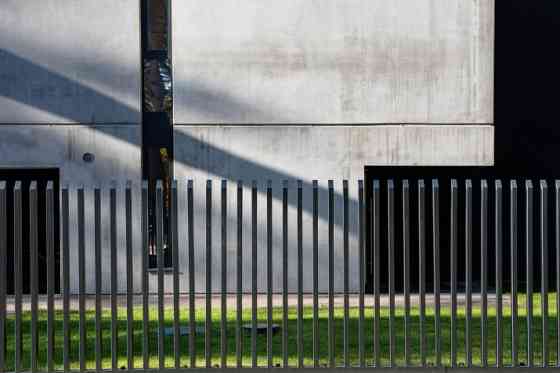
x: 70, y: 61
x: 307, y: 90
x: 333, y: 61
x: 306, y: 153
x: 70, y: 83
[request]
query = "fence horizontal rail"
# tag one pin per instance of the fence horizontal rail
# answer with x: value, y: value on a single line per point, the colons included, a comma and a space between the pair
x: 344, y: 274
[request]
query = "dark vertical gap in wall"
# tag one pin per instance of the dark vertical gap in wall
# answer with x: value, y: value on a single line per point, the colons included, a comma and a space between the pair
x: 157, y: 128
x: 527, y: 141
x: 26, y: 176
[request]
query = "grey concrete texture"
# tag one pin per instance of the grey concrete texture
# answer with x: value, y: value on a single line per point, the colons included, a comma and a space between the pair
x: 333, y: 61
x: 306, y: 153
x: 70, y: 61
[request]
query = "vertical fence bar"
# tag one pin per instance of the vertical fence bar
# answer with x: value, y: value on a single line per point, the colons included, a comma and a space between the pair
x: 376, y: 274
x: 160, y: 283
x: 346, y: 274
x: 544, y: 270
x: 239, y: 269
x: 18, y: 276
x: 208, y: 295
x: 254, y: 264
x: 81, y: 278
x: 269, y: 272
x: 65, y: 278
x: 224, y: 287
x: 406, y: 269
x: 49, y: 239
x: 468, y: 272
x: 145, y: 285
x: 436, y: 243
x: 129, y: 282
x: 513, y: 254
x: 529, y: 267
x: 557, y: 249
x: 499, y: 237
x: 453, y: 267
x: 49, y: 243
x: 190, y: 233
x: 300, y: 273
x: 3, y: 273
x: 315, y: 274
x: 484, y: 271
x: 422, y: 268
x: 33, y: 270
x: 113, y: 245
x: 18, y: 273
x: 331, y: 276
x: 285, y: 274
x: 361, y: 274
x: 98, y: 275
x: 391, y: 265
x: 175, y: 263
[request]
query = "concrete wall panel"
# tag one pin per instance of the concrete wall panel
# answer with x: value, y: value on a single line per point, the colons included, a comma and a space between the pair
x: 307, y: 153
x: 117, y: 157
x: 70, y: 61
x: 333, y: 61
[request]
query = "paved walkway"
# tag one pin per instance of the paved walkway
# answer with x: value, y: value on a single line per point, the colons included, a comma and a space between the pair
x: 231, y: 299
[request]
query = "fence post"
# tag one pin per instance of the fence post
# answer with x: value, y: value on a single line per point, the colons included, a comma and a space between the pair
x: 484, y: 270
x: 436, y: 243
x: 82, y: 280
x: 18, y: 273
x: 49, y: 204
x: 33, y: 271
x: 346, y: 274
x: 285, y: 273
x: 160, y: 283
x: 499, y: 238
x: 468, y: 272
x: 406, y: 269
x: 208, y: 315
x: 145, y: 285
x: 175, y: 264
x: 376, y: 273
x: 529, y: 267
x: 65, y: 277
x: 557, y: 249
x: 190, y: 233
x: 391, y: 268
x: 453, y: 267
x: 269, y: 272
x: 361, y: 272
x: 224, y: 288
x: 422, y: 267
x: 239, y: 269
x: 300, y: 272
x: 98, y: 275
x: 331, y: 326
x: 544, y: 269
x: 129, y: 281
x: 315, y: 274
x: 513, y: 254
x: 254, y: 270
x: 3, y: 274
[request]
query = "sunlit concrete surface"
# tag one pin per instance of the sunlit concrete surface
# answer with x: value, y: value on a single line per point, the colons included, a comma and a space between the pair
x: 306, y: 153
x: 333, y: 61
x: 70, y: 61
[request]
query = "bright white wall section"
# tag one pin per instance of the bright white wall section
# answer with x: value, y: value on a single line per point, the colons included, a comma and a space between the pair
x: 70, y: 61
x: 280, y: 153
x: 333, y: 61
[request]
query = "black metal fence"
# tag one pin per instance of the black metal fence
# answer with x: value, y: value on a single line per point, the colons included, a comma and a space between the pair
x: 486, y: 326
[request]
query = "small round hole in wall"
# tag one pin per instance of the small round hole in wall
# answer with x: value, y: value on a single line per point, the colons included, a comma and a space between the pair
x: 88, y: 157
